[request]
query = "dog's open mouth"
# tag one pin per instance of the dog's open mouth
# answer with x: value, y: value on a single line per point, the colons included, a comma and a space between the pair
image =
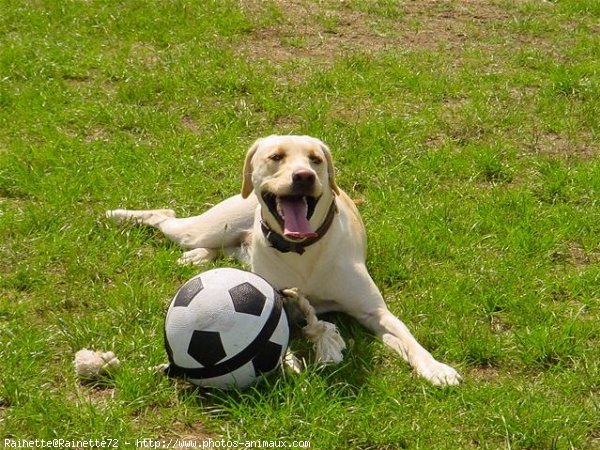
x: 293, y: 213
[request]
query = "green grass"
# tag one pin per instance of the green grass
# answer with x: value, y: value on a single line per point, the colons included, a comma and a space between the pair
x: 468, y: 132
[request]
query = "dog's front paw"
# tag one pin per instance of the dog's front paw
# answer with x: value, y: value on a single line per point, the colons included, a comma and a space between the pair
x: 440, y: 374
x: 292, y: 362
x: 198, y: 256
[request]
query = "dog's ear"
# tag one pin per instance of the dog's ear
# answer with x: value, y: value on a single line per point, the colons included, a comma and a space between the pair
x: 330, y: 169
x: 247, y: 174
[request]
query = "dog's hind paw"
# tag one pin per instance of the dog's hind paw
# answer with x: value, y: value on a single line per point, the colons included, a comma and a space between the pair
x: 118, y: 215
x: 440, y: 374
x: 149, y: 217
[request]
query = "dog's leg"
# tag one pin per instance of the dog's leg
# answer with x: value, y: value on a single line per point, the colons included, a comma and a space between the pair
x: 395, y: 334
x: 224, y: 226
x: 365, y: 303
x: 151, y: 217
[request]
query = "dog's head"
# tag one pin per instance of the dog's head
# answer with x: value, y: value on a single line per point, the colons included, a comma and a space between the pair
x: 293, y: 178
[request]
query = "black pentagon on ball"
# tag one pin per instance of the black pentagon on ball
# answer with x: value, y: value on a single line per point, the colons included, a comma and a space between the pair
x: 188, y: 291
x: 267, y: 359
x: 247, y: 299
x: 206, y: 347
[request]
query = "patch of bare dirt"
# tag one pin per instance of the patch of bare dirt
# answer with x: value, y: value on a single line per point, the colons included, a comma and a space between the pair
x: 447, y: 24
x: 145, y: 55
x: 574, y: 254
x: 483, y: 373
x: 326, y: 29
x: 97, y: 134
x: 94, y: 394
x: 499, y: 325
x: 559, y: 145
x: 578, y: 255
x: 190, y: 124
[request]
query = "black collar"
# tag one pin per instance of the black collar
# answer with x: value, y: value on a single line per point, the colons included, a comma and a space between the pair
x: 280, y: 243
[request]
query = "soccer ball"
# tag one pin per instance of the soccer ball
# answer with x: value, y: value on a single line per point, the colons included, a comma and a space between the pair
x: 225, y: 328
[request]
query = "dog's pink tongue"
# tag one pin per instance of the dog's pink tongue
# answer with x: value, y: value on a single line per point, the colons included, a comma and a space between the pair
x: 295, y: 223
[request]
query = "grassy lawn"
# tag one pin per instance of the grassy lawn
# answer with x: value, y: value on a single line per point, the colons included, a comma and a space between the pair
x: 466, y: 131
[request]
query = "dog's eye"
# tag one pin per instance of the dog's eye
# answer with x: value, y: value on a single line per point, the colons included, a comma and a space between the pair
x: 316, y: 159
x: 276, y: 157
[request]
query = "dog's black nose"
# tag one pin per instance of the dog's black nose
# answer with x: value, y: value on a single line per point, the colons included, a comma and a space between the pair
x: 303, y: 178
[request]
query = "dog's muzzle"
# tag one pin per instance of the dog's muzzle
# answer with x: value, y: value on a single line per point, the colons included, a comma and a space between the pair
x: 294, y: 208
x: 293, y: 213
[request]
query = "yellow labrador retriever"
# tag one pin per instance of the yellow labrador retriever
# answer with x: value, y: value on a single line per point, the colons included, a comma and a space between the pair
x: 297, y: 228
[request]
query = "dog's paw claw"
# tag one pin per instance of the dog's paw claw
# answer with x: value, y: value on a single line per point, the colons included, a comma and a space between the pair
x: 118, y: 215
x: 440, y: 374
x: 198, y: 256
